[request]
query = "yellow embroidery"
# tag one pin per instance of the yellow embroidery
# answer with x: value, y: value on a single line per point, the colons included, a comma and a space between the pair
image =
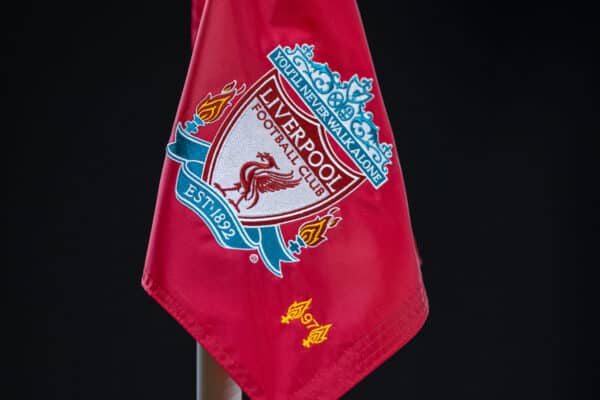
x: 316, y: 336
x: 295, y: 311
x: 307, y: 319
x: 212, y: 106
x: 313, y: 232
x: 318, y: 332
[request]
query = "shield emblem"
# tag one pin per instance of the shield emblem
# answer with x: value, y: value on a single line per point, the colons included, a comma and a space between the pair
x: 272, y: 161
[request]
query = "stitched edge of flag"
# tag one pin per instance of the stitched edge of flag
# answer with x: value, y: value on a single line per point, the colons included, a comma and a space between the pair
x: 364, y: 356
x: 358, y: 361
x: 178, y: 311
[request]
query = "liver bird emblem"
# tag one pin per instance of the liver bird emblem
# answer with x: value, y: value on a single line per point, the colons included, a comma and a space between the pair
x: 256, y: 178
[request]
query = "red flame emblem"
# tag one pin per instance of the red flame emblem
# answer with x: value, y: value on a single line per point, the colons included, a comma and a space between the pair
x: 212, y: 106
x: 313, y: 232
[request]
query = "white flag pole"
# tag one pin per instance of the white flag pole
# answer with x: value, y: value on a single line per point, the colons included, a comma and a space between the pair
x: 212, y: 382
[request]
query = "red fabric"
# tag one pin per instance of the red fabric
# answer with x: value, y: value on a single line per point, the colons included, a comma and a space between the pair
x: 197, y: 10
x: 364, y: 279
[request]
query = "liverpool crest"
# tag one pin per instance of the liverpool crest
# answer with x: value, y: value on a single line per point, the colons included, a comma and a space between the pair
x: 271, y: 162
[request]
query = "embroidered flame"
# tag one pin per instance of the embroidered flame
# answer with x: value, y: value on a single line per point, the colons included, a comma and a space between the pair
x: 296, y: 310
x: 313, y: 232
x: 212, y: 106
x: 316, y: 336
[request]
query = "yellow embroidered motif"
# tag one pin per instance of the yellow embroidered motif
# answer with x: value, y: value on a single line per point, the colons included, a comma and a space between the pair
x: 212, y: 106
x: 316, y: 336
x: 295, y: 311
x: 313, y: 232
x: 318, y: 332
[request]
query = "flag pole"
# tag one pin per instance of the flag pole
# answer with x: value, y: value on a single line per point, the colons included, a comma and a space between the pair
x: 212, y: 382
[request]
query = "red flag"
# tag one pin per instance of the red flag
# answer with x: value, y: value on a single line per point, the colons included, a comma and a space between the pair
x: 281, y: 239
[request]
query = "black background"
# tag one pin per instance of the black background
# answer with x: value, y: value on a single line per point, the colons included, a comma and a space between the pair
x: 487, y: 101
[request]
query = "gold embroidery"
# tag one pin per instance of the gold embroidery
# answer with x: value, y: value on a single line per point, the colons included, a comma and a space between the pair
x: 313, y: 232
x: 316, y: 336
x: 295, y: 311
x: 212, y: 106
x: 318, y: 332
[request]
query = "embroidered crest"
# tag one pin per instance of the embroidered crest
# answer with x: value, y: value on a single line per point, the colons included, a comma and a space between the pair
x: 271, y: 162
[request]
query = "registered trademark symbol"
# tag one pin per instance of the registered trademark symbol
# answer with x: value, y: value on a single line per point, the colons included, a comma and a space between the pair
x: 253, y: 258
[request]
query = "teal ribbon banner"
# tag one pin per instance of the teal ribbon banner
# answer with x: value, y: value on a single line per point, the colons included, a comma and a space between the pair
x: 216, y: 213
